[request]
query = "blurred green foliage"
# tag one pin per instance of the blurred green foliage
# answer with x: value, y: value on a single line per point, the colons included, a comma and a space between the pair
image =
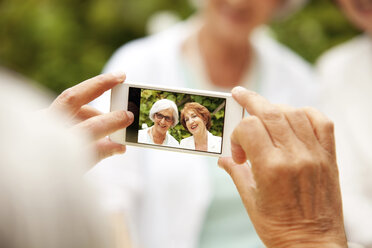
x: 62, y: 42
x: 213, y: 104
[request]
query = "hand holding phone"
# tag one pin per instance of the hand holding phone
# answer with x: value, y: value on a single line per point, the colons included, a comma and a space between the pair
x: 73, y: 104
x: 291, y: 188
x: 183, y: 120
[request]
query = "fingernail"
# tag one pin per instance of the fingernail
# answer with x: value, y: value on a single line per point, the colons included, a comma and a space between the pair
x: 237, y: 89
x: 123, y: 149
x: 130, y: 115
x: 119, y: 74
x: 120, y: 150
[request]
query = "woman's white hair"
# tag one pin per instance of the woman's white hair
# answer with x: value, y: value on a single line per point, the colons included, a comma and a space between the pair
x: 164, y: 104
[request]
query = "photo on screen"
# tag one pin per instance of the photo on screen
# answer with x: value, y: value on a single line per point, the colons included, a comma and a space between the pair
x: 178, y: 120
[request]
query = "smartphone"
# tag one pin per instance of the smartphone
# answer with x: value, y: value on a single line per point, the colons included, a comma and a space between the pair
x: 176, y: 119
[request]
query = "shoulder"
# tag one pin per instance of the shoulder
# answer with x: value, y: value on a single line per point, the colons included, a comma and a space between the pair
x: 191, y: 138
x: 143, y: 131
x: 272, y: 52
x: 343, y: 56
x: 186, y: 141
x: 172, y: 141
x: 142, y: 135
x: 283, y: 75
x: 214, y: 138
x: 147, y: 59
x: 214, y: 143
x: 144, y: 51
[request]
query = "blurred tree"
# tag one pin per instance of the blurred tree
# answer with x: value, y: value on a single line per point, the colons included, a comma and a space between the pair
x: 62, y: 42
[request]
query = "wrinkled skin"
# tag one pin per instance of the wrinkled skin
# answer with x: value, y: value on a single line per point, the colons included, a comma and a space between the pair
x: 291, y: 190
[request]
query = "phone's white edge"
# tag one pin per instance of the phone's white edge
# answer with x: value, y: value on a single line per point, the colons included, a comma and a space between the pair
x: 119, y: 92
x: 231, y: 120
x: 234, y: 113
x: 168, y: 148
x: 178, y: 90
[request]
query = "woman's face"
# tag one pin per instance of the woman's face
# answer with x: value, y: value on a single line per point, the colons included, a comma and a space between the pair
x: 235, y: 19
x: 163, y: 120
x: 359, y: 12
x: 194, y: 122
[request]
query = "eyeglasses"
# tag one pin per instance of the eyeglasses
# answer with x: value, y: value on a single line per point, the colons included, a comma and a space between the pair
x: 160, y: 117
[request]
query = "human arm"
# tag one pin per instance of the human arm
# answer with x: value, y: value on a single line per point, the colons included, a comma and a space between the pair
x: 291, y: 190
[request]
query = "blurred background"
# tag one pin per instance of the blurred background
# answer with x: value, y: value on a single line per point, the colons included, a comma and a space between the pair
x: 59, y: 43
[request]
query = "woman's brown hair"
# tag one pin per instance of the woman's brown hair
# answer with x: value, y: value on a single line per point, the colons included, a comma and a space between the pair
x: 200, y: 110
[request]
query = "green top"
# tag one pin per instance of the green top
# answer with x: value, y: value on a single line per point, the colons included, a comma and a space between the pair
x: 226, y: 223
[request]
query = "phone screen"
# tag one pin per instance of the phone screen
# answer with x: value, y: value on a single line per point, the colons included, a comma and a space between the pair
x: 177, y: 120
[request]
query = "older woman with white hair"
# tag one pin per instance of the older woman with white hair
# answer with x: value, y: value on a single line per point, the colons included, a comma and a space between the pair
x: 164, y: 114
x: 226, y: 43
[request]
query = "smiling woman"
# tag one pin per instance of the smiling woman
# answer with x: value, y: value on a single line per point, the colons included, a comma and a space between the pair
x: 164, y: 114
x: 224, y: 45
x: 197, y: 120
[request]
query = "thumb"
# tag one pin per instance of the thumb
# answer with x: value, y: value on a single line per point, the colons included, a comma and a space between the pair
x: 237, y: 153
x: 243, y: 179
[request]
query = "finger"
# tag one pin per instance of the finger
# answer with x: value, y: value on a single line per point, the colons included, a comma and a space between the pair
x: 73, y: 98
x: 323, y: 129
x: 103, y: 125
x: 106, y: 148
x: 251, y: 136
x: 243, y: 179
x: 238, y: 153
x: 300, y: 124
x: 86, y: 112
x: 270, y: 115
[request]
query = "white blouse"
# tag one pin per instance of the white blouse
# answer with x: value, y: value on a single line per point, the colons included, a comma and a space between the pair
x: 145, y: 137
x: 214, y: 143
